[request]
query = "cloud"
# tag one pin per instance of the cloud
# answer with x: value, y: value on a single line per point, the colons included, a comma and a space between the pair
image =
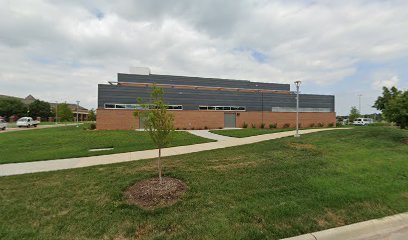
x: 61, y: 50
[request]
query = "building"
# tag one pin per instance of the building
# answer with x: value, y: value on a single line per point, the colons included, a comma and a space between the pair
x: 82, y: 112
x: 199, y: 103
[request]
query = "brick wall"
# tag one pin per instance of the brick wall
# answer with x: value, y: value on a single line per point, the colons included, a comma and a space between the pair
x: 109, y: 119
x: 114, y: 119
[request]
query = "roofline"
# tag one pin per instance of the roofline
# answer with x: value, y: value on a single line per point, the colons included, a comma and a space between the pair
x: 177, y: 86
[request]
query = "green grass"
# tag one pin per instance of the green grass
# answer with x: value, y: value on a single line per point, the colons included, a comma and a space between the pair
x: 268, y: 190
x: 14, y: 125
x: 68, y: 142
x: 247, y: 132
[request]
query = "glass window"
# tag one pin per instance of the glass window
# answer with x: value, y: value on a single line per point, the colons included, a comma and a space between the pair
x: 109, y: 105
x: 120, y: 106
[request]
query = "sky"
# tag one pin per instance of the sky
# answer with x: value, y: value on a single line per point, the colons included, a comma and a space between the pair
x: 60, y: 50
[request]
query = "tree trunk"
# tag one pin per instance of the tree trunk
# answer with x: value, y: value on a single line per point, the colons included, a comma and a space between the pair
x: 159, y: 166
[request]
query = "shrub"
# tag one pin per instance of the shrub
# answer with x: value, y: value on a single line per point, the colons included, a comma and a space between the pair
x: 219, y: 127
x: 253, y: 125
x: 272, y: 125
x: 262, y: 125
x: 205, y: 127
x: 320, y: 124
x: 286, y: 125
x: 312, y: 125
x: 91, y: 126
x: 177, y: 128
x: 244, y: 125
x: 330, y: 125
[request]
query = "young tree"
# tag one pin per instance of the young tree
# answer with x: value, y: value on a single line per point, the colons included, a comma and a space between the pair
x: 394, y: 106
x: 64, y: 113
x: 39, y: 108
x: 91, y: 115
x: 158, y: 122
x: 12, y: 106
x: 354, y: 113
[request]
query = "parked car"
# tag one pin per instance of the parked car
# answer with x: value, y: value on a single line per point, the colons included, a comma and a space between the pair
x: 27, y: 122
x: 363, y: 121
x: 3, y: 124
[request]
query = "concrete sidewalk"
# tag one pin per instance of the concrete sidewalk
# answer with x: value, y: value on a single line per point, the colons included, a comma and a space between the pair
x: 52, y: 165
x: 209, y: 135
x: 390, y: 228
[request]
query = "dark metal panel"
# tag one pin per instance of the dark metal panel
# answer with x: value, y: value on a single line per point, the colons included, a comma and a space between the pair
x: 192, y: 98
x: 198, y: 81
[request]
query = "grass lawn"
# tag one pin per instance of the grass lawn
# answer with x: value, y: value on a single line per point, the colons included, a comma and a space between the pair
x: 270, y: 190
x: 68, y: 142
x: 247, y: 132
x: 14, y: 125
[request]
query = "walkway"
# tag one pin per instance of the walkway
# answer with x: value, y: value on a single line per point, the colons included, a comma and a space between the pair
x: 209, y: 135
x: 390, y: 228
x: 52, y: 165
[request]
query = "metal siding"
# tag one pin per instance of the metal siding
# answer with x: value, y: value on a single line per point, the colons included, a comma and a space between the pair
x: 192, y: 98
x: 197, y: 81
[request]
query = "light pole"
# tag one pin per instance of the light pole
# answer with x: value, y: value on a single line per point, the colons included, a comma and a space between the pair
x: 77, y: 106
x: 359, y: 103
x: 297, y: 83
x: 56, y: 112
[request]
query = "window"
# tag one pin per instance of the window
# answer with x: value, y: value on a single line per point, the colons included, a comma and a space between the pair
x: 222, y: 108
x: 293, y: 109
x: 138, y: 106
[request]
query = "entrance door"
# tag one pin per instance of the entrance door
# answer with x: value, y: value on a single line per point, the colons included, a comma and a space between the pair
x: 229, y: 120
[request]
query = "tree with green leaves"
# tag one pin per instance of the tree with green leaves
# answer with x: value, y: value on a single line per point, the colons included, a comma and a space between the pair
x: 394, y: 106
x: 91, y: 115
x: 39, y: 108
x: 158, y: 122
x: 354, y: 113
x: 64, y: 113
x: 12, y: 106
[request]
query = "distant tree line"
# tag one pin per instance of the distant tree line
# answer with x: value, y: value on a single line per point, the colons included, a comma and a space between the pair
x: 15, y: 107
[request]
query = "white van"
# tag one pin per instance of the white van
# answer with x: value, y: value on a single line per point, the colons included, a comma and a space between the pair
x: 362, y: 121
x: 3, y: 124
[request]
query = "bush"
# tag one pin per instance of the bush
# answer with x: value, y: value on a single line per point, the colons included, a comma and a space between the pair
x: 312, y: 125
x: 286, y: 125
x: 91, y: 126
x: 244, y: 125
x: 272, y: 125
x: 177, y: 128
x: 220, y: 128
x: 320, y: 124
x: 330, y: 125
x: 253, y: 125
x: 205, y: 127
x: 262, y: 125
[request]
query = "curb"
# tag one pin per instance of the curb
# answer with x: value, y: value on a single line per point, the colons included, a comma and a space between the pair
x: 392, y: 227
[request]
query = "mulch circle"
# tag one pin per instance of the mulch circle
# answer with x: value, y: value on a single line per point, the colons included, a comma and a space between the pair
x: 151, y: 194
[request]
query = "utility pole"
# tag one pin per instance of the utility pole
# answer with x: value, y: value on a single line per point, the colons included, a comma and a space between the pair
x: 297, y: 83
x: 359, y: 102
x: 77, y: 106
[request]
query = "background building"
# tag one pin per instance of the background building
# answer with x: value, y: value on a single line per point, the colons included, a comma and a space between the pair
x: 209, y: 102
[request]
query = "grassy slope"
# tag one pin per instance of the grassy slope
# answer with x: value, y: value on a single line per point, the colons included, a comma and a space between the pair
x: 67, y: 142
x: 247, y: 132
x: 272, y: 189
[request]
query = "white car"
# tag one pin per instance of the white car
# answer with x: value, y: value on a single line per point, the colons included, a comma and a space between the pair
x: 363, y: 121
x: 3, y: 124
x: 26, y: 122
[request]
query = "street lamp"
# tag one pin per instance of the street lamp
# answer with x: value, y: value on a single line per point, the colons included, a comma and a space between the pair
x: 359, y: 103
x: 297, y: 83
x: 77, y: 106
x: 56, y: 112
